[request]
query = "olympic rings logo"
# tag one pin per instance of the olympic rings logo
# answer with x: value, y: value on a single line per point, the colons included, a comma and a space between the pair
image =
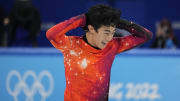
x: 35, y: 87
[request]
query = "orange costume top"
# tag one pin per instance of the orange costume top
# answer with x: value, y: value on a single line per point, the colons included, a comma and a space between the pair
x: 87, y: 70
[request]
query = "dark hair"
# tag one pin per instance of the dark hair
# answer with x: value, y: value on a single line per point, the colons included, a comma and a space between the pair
x: 100, y: 14
x: 165, y: 22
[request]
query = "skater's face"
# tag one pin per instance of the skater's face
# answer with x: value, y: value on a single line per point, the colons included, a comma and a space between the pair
x: 102, y: 36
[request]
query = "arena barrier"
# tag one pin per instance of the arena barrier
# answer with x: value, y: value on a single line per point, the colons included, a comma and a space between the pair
x: 37, y: 74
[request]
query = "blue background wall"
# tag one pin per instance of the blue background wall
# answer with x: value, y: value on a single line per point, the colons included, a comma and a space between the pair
x: 144, y: 12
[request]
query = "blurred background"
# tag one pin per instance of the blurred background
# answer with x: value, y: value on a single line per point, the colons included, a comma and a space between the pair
x: 32, y: 70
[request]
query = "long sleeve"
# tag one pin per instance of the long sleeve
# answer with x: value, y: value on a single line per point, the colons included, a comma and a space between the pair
x: 56, y: 34
x: 139, y: 35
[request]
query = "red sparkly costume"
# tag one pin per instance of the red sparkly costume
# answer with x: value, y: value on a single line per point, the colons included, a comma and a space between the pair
x: 87, y: 70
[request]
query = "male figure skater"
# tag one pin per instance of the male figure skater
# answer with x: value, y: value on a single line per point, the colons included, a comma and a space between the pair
x: 88, y: 58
